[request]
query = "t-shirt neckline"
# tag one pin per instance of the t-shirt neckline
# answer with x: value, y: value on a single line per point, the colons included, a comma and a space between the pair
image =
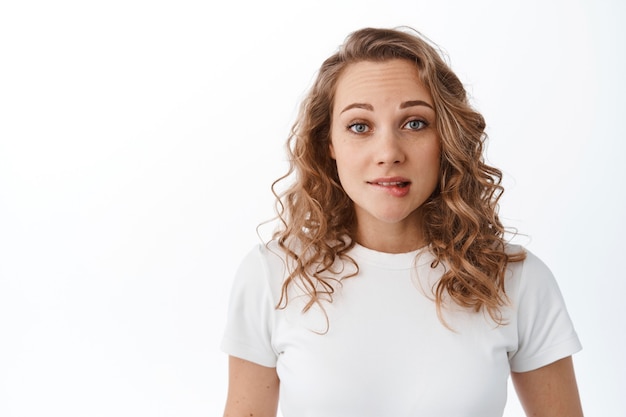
x: 405, y: 260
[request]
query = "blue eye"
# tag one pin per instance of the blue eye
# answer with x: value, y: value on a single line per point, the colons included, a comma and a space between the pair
x: 415, y: 124
x: 358, y: 127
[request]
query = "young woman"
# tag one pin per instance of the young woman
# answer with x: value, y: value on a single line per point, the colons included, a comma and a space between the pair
x: 389, y: 289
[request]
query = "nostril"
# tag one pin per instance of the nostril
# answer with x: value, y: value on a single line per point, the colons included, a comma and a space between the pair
x: 394, y: 162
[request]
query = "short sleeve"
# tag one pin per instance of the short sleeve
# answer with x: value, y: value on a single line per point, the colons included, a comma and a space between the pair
x: 545, y: 330
x: 248, y: 333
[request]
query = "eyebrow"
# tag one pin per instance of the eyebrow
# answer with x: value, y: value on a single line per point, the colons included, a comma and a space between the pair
x: 413, y: 103
x: 404, y: 105
x: 358, y: 106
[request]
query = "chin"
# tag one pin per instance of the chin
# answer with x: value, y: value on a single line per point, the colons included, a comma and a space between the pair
x: 394, y: 218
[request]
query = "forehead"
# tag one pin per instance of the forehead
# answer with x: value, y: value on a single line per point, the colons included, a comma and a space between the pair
x: 370, y: 81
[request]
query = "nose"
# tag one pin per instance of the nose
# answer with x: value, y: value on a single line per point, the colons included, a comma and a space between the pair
x: 390, y: 150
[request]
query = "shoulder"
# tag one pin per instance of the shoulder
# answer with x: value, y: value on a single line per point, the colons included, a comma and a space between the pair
x: 527, y: 273
x: 531, y: 285
x: 544, y: 330
x: 530, y: 270
x: 533, y: 290
x: 263, y: 267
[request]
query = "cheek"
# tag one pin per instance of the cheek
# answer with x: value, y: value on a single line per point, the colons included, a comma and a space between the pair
x: 346, y: 169
x: 435, y: 155
x: 435, y: 151
x: 431, y: 161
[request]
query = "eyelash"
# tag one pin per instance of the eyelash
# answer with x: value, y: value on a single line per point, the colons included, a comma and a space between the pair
x: 351, y: 126
x: 423, y: 125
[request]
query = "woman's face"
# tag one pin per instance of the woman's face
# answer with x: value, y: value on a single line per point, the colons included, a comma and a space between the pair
x: 384, y: 142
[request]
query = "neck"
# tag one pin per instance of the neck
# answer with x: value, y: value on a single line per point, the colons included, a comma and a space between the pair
x: 397, y: 238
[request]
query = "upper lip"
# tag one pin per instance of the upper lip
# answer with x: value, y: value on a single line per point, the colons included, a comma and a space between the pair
x: 389, y: 180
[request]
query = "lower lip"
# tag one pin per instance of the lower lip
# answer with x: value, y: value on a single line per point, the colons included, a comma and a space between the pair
x: 395, y: 190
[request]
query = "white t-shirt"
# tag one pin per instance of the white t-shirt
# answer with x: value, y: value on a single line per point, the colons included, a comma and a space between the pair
x: 385, y: 352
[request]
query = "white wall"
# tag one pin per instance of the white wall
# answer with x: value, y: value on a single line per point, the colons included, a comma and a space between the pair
x: 138, y: 140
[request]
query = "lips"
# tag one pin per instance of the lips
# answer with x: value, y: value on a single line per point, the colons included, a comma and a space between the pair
x: 400, y: 184
x: 396, y: 186
x: 391, y: 182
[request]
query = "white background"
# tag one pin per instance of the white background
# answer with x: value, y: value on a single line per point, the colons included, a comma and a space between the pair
x: 138, y: 141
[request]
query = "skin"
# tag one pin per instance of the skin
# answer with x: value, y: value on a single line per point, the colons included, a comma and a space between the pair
x: 252, y: 390
x: 550, y: 391
x: 375, y: 134
x: 383, y: 130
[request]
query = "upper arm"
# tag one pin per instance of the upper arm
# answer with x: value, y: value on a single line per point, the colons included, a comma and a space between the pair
x: 252, y: 389
x: 550, y: 391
